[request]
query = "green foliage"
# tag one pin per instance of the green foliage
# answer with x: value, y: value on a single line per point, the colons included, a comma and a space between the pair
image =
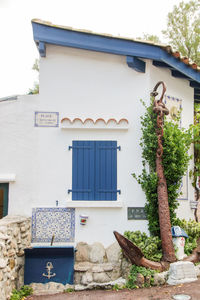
x: 69, y: 290
x: 195, y: 173
x: 20, y: 294
x: 116, y: 287
x: 183, y: 29
x: 35, y: 89
x: 192, y: 228
x: 150, y: 37
x: 150, y: 246
x: 176, y: 143
x: 36, y: 65
x: 132, y: 279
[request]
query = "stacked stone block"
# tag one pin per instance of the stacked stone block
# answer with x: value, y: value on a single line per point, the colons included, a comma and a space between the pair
x: 15, y: 235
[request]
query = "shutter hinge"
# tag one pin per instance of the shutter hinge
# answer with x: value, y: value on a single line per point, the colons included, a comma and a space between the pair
x: 79, y: 191
x: 79, y: 147
x: 109, y: 191
x: 118, y: 147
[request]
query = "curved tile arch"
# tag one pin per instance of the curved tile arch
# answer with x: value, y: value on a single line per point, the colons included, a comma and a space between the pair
x: 125, y: 121
x: 89, y: 123
x: 100, y: 120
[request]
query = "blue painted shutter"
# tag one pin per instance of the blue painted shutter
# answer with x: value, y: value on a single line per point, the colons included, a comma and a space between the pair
x: 83, y: 170
x: 106, y: 170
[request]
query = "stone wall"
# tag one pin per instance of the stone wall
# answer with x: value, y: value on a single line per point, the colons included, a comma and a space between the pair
x: 15, y: 235
x: 95, y: 267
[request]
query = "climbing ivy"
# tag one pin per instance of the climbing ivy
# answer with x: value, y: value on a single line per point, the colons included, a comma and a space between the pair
x: 195, y: 173
x: 176, y: 143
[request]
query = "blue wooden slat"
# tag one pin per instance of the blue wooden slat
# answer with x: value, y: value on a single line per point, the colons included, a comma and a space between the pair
x: 85, y: 173
x: 88, y: 171
x: 82, y: 170
x: 114, y: 172
x: 108, y: 166
x: 92, y: 169
x: 106, y: 170
x: 74, y: 170
x: 97, y: 170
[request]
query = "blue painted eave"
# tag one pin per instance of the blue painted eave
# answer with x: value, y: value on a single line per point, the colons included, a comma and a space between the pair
x: 49, y: 34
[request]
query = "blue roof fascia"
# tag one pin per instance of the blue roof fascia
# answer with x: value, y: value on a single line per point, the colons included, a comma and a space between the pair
x: 65, y: 37
x: 180, y: 66
x: 87, y: 41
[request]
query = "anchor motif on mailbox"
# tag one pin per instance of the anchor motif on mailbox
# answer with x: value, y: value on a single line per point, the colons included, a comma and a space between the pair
x: 49, y: 266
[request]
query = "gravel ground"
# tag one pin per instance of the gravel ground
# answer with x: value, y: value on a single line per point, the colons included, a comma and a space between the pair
x: 154, y: 293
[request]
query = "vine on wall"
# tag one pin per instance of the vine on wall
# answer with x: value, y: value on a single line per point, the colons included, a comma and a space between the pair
x: 195, y: 173
x: 176, y: 143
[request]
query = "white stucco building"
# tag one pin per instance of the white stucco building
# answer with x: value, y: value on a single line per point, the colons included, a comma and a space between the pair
x: 76, y: 143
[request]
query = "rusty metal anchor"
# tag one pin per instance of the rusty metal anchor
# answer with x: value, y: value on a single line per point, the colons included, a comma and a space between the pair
x: 163, y: 205
x: 132, y: 251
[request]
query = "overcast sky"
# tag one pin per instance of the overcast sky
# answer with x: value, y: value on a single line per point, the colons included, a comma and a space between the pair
x: 120, y: 17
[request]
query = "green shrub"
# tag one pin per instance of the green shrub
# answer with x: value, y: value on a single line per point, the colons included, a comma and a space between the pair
x: 20, y: 294
x: 192, y: 228
x: 150, y: 246
x: 132, y: 279
x: 116, y: 287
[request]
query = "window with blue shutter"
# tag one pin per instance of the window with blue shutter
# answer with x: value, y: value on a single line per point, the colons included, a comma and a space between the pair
x: 94, y: 170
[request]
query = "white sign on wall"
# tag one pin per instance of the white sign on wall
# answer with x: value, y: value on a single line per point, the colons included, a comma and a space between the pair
x: 46, y: 119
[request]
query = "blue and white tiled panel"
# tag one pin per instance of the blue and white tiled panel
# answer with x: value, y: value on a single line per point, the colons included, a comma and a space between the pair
x: 174, y: 106
x: 47, y: 222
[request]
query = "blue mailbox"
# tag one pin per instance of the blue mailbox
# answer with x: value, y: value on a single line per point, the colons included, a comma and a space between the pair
x: 45, y: 264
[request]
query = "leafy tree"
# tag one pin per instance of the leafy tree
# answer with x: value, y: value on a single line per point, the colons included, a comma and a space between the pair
x: 150, y: 37
x: 183, y: 29
x: 35, y: 89
x: 36, y: 65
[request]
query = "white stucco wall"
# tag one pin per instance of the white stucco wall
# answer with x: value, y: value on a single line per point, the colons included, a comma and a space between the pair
x: 83, y: 84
